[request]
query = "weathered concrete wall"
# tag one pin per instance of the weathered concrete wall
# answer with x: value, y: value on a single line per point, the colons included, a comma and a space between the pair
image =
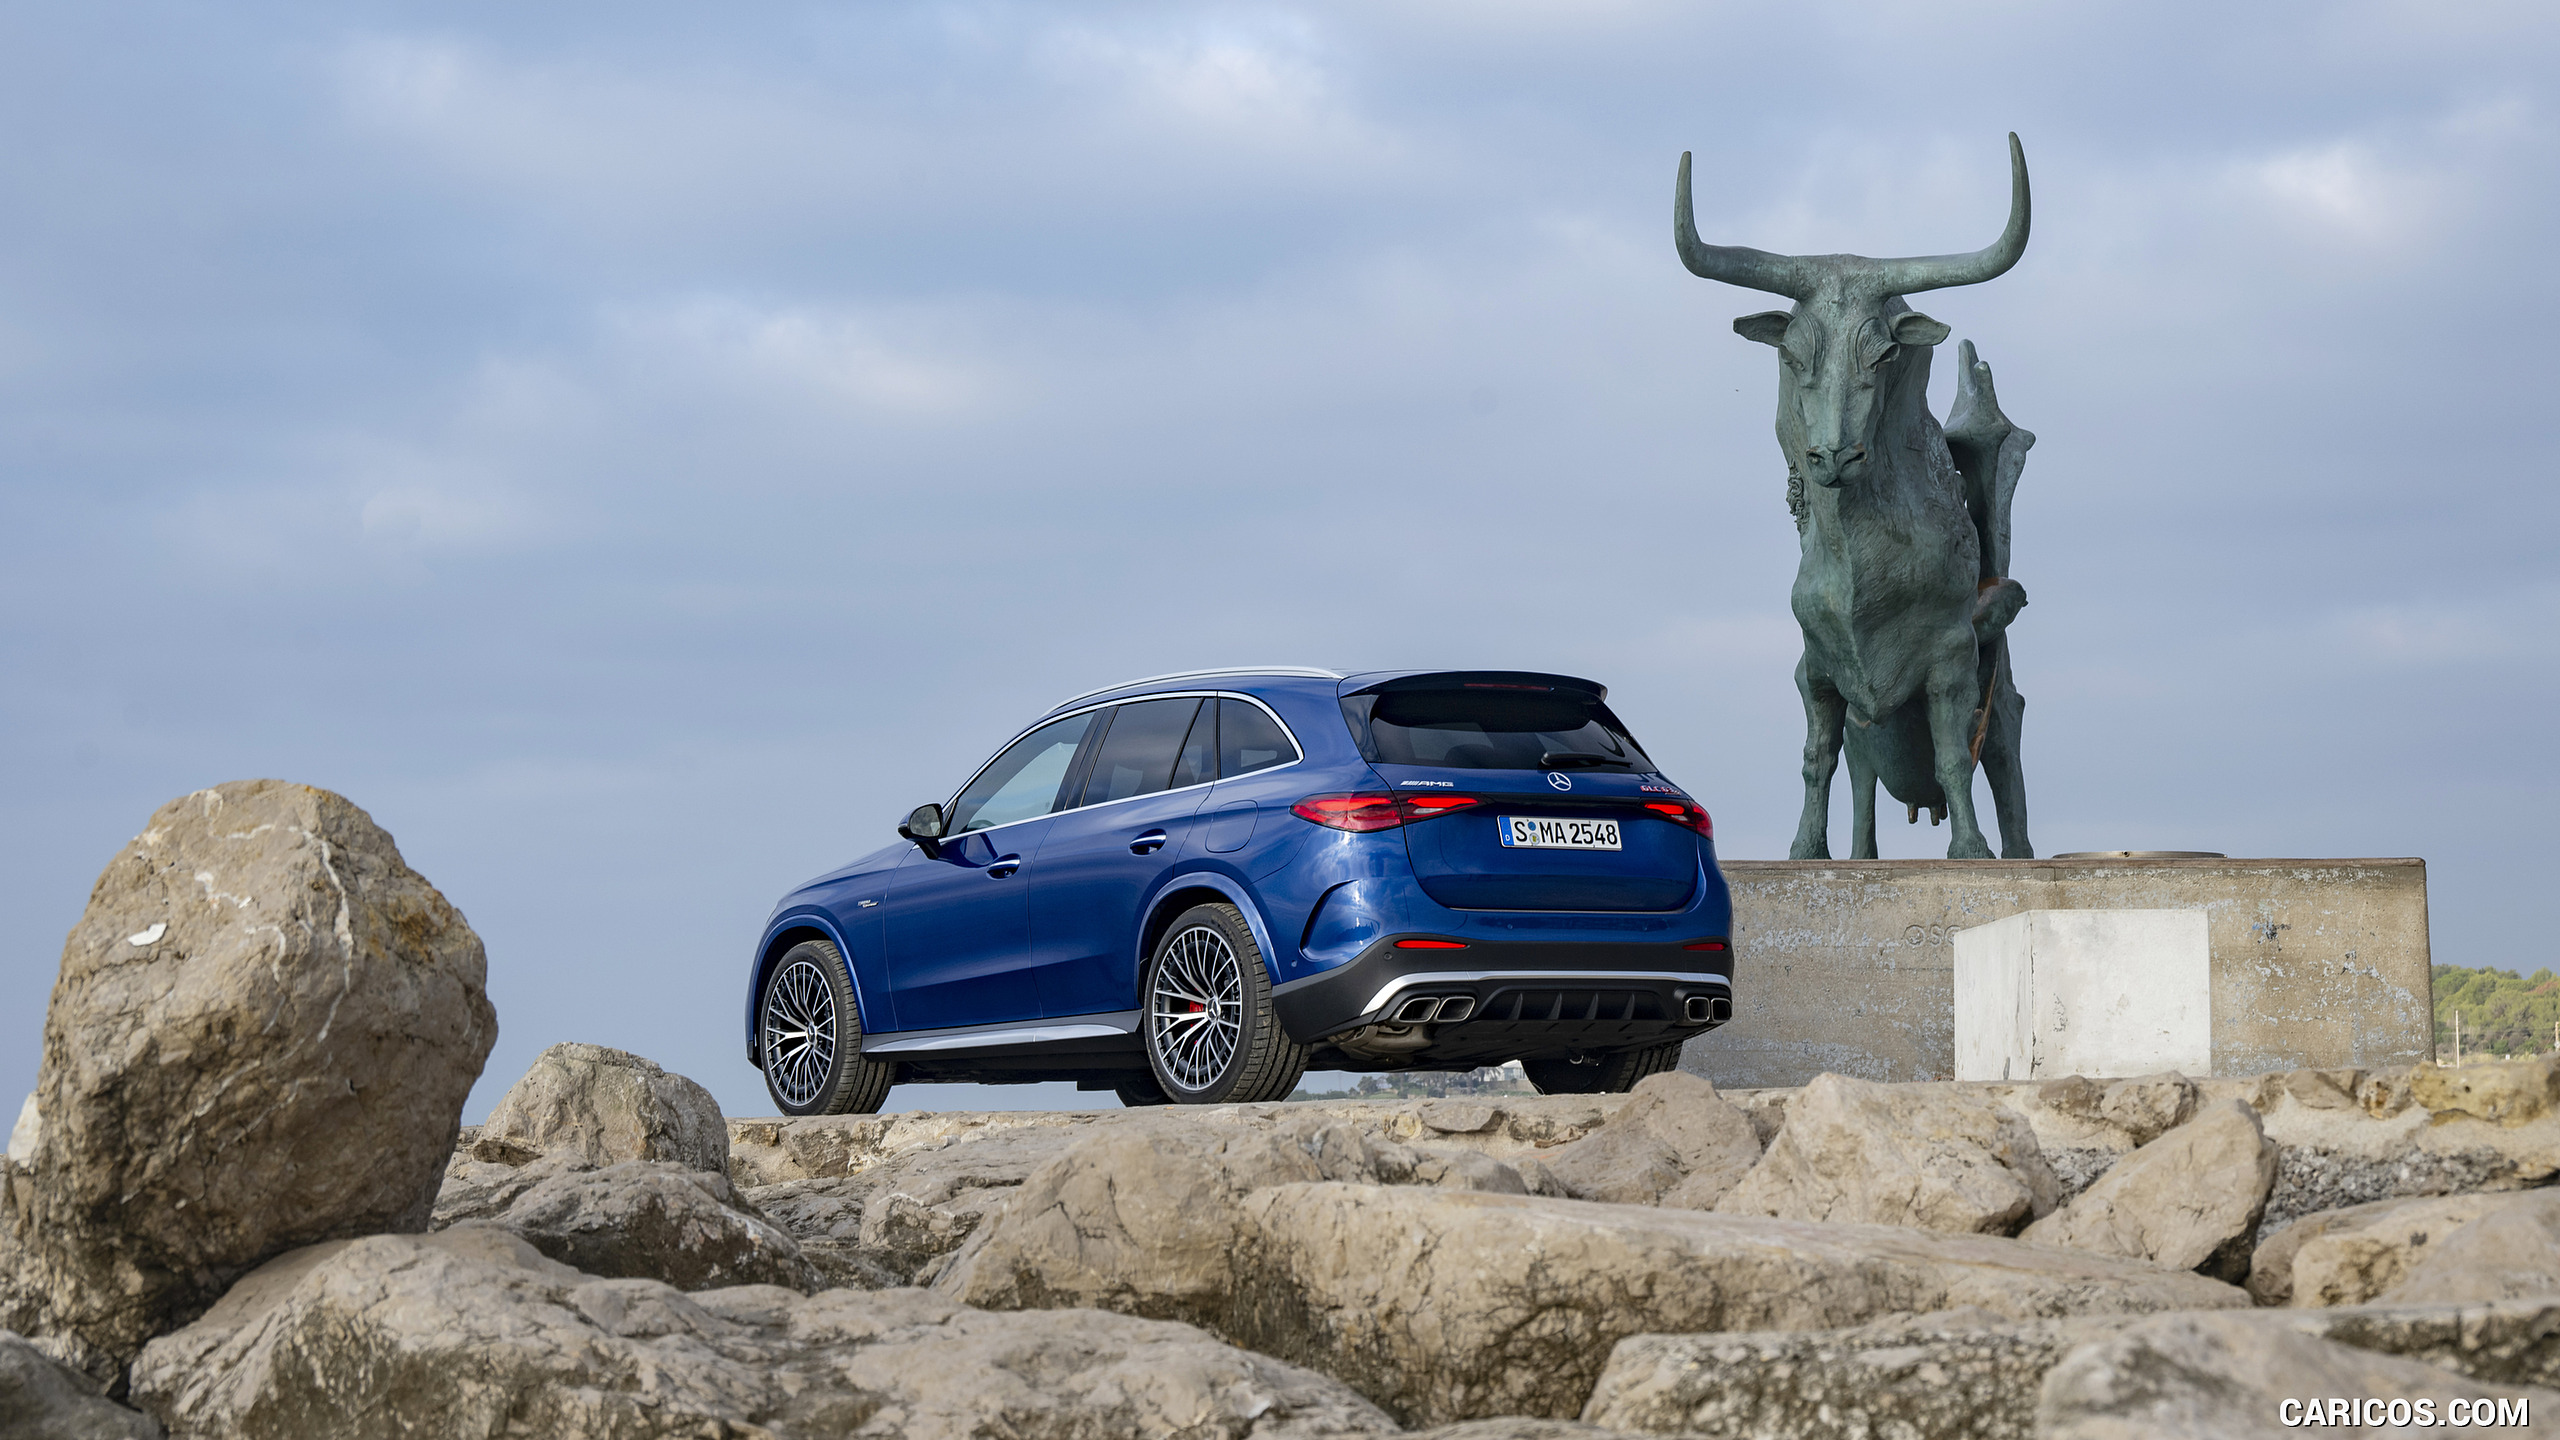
x: 1847, y: 965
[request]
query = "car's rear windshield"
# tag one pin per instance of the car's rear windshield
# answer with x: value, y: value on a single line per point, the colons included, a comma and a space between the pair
x: 1483, y: 728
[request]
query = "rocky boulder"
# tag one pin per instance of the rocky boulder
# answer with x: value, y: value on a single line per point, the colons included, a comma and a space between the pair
x: 262, y: 1036
x: 2354, y: 1256
x: 640, y: 1219
x: 1444, y: 1305
x: 2503, y: 1093
x: 1927, y: 1157
x: 602, y: 1105
x: 2511, y: 1253
x: 358, y: 1340
x: 1674, y: 1141
x: 2190, y: 1199
x: 2211, y: 1377
x: 43, y: 1399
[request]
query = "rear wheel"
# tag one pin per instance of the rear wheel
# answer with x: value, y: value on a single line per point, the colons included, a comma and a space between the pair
x: 809, y: 1035
x: 1601, y: 1074
x: 1213, y: 1037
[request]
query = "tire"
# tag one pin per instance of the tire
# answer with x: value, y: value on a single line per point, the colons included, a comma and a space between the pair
x: 1601, y: 1074
x: 1139, y: 1094
x: 809, y: 1037
x: 1212, y: 1035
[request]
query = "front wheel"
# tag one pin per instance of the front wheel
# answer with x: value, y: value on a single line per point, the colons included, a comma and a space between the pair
x: 1213, y: 1037
x: 1601, y: 1074
x: 809, y: 1035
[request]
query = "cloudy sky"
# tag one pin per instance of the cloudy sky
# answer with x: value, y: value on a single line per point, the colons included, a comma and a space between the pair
x: 636, y: 452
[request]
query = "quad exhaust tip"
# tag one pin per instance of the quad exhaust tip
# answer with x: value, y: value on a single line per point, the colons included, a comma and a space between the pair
x: 1443, y: 1009
x: 1709, y: 1009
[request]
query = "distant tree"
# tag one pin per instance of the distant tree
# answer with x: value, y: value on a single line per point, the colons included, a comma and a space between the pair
x: 2503, y: 1013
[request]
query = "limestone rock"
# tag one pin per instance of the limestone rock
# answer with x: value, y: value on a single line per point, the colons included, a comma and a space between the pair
x: 2149, y: 1106
x: 2364, y: 1252
x: 1926, y: 1157
x: 43, y: 1399
x: 642, y: 1219
x: 2212, y: 1377
x: 262, y: 1036
x: 2507, y: 1093
x: 1674, y: 1141
x: 602, y: 1105
x: 2511, y: 1253
x: 2271, y: 1265
x: 1444, y: 1305
x: 357, y: 1340
x: 2189, y: 1200
x: 25, y: 1133
x: 1965, y: 1374
x: 1144, y: 1217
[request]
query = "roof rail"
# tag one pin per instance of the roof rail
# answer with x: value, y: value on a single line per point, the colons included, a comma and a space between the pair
x: 1311, y: 672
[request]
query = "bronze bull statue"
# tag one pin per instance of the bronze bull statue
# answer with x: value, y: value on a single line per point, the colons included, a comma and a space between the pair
x: 1903, y: 592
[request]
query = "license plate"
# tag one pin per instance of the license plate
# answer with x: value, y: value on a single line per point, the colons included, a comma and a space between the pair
x: 1521, y: 832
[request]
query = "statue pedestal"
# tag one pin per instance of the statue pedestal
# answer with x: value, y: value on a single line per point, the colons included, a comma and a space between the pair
x: 2103, y: 993
x: 1848, y: 965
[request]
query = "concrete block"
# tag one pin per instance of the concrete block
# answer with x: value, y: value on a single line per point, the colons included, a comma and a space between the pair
x: 2101, y: 993
x: 1849, y: 965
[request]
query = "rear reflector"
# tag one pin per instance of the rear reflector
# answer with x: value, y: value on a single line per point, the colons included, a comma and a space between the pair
x: 1704, y: 945
x: 1432, y: 945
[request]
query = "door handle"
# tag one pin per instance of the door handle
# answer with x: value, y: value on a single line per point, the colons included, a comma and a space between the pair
x: 1147, y: 844
x: 1003, y: 865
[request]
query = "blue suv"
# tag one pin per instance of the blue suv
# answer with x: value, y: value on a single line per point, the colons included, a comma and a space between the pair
x: 1194, y: 887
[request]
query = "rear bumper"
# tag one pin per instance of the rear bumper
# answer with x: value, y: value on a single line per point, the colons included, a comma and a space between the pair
x: 1514, y: 999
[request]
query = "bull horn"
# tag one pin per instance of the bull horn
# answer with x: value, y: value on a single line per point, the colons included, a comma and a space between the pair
x: 1939, y: 272
x: 1739, y: 264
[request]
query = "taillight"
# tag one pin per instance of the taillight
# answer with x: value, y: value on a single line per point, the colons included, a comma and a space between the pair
x: 1682, y: 813
x: 1704, y: 945
x: 1431, y: 944
x: 1363, y: 810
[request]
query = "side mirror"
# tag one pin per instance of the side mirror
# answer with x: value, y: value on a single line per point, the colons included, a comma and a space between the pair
x: 923, y: 825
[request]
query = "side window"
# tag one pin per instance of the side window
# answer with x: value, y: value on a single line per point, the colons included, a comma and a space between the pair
x: 1249, y: 740
x: 1141, y: 750
x: 1022, y: 782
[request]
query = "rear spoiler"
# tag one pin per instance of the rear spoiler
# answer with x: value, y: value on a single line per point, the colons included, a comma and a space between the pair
x: 1476, y: 680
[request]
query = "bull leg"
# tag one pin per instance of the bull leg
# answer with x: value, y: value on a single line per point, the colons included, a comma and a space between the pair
x: 1824, y: 715
x: 2007, y: 775
x: 1953, y: 702
x: 1862, y: 803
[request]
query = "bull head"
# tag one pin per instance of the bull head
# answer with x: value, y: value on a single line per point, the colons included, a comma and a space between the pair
x: 1851, y: 341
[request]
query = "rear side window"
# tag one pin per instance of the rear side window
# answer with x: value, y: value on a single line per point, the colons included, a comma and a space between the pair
x: 1249, y: 740
x: 1472, y: 729
x: 1024, y: 781
x: 1141, y: 750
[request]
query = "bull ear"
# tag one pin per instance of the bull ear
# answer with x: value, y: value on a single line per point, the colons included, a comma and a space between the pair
x: 1768, y: 327
x: 1913, y: 328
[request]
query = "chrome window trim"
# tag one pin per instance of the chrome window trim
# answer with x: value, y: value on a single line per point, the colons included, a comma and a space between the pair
x: 1010, y: 1032
x: 1596, y: 978
x: 1302, y: 672
x: 1044, y: 720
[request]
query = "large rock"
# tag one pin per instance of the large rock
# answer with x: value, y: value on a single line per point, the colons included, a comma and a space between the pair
x: 1926, y: 1157
x: 43, y: 1399
x: 2511, y: 1253
x: 643, y: 1219
x: 2271, y: 1264
x: 2354, y: 1256
x: 1445, y: 1304
x: 262, y: 1036
x: 1146, y: 1217
x: 1971, y: 1374
x: 2189, y: 1200
x: 25, y: 1133
x: 2504, y: 1093
x: 2215, y: 1377
x: 1674, y: 1141
x: 362, y: 1339
x: 602, y: 1105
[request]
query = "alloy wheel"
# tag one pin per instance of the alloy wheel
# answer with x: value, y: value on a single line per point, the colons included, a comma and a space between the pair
x: 799, y: 1032
x: 1195, y: 1008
